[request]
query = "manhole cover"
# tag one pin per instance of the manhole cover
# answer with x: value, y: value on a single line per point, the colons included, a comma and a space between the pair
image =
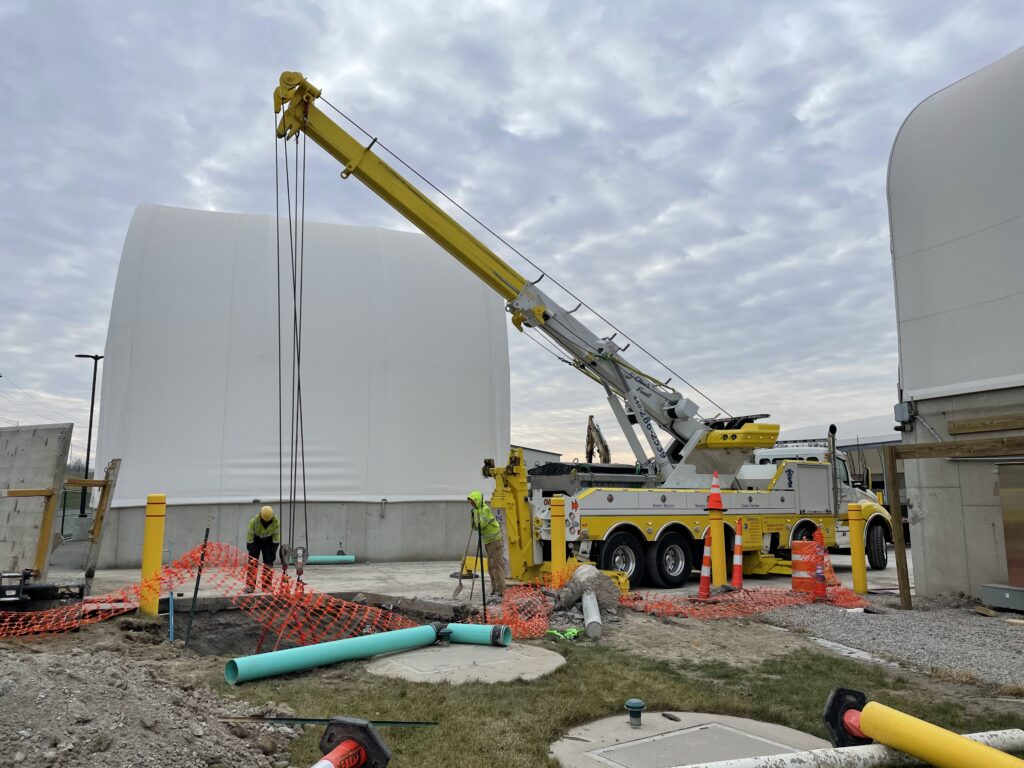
x: 700, y: 744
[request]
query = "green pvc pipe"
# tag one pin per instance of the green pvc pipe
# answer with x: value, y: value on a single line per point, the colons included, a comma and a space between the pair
x: 330, y: 559
x: 481, y: 634
x: 247, y: 668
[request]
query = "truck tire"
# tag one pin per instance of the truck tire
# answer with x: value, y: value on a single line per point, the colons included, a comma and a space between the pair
x: 669, y: 560
x: 878, y: 553
x: 622, y: 552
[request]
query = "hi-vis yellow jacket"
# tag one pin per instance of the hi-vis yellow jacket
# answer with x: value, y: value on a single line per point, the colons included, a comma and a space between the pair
x: 257, y: 530
x: 483, y: 519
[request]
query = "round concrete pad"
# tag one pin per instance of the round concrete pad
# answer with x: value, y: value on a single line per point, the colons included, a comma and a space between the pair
x: 459, y: 663
x: 689, y: 739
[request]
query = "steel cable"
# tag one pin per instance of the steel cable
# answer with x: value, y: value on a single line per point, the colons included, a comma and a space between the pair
x: 523, y: 256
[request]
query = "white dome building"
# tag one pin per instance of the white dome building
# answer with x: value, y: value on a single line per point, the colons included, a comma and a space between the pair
x: 405, y: 386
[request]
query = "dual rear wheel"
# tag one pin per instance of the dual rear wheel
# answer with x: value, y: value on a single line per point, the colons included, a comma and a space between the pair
x: 664, y: 563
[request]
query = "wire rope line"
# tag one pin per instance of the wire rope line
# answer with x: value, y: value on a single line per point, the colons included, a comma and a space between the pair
x: 302, y: 427
x: 280, y: 388
x: 44, y: 411
x: 523, y: 256
x: 295, y: 194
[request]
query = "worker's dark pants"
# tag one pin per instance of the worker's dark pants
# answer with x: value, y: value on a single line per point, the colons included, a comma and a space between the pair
x: 267, y: 548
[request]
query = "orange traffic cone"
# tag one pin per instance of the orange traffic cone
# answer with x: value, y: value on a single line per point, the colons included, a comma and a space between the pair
x: 830, y: 572
x: 803, y: 566
x: 820, y: 589
x: 737, y: 556
x: 715, y: 497
x: 704, y: 590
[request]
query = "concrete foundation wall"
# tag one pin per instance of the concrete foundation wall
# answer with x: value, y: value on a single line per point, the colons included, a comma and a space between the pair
x: 434, y: 530
x: 955, y: 514
x: 30, y: 457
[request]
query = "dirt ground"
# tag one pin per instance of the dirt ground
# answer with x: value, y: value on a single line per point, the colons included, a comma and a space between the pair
x: 735, y: 642
x: 743, y: 642
x: 118, y: 695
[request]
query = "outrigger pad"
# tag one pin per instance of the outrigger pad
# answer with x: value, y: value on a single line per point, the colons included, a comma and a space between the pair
x: 341, y: 728
x: 839, y: 701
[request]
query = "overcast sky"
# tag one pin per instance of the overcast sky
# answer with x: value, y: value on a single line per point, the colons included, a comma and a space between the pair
x: 710, y: 176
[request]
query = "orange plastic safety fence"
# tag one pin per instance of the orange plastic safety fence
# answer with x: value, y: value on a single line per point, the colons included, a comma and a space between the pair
x: 524, y: 608
x: 287, y: 609
x: 734, y: 605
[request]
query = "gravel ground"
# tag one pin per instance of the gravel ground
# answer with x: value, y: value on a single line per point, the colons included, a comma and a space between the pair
x: 940, y: 636
x: 71, y: 707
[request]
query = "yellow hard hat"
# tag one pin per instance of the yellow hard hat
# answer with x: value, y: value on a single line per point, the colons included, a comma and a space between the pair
x: 267, y: 514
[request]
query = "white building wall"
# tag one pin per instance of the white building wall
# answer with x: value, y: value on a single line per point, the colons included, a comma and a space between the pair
x: 404, y: 367
x: 956, y: 209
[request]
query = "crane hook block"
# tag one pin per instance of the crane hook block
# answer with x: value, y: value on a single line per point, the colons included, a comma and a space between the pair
x: 295, y: 91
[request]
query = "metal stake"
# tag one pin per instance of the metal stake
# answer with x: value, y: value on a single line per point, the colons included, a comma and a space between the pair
x: 195, y: 592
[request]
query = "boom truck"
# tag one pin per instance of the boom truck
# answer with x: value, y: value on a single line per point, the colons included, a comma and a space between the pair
x: 652, y: 528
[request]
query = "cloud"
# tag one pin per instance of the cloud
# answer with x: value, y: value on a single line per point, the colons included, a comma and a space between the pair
x: 711, y: 179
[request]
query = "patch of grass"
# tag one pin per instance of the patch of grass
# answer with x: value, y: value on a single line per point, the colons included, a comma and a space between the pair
x: 512, y: 724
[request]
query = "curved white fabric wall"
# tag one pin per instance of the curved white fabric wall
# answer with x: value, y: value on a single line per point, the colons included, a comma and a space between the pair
x: 404, y: 364
x: 956, y: 213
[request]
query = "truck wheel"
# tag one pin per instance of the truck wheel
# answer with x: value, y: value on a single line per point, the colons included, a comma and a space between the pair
x: 669, y: 560
x: 878, y: 553
x: 622, y: 552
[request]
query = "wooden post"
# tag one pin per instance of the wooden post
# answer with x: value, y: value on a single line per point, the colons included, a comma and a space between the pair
x: 45, y: 544
x: 92, y: 557
x: 892, y: 492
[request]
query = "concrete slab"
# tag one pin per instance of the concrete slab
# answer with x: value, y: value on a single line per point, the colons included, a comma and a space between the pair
x: 690, y: 738
x: 433, y: 580
x: 458, y: 663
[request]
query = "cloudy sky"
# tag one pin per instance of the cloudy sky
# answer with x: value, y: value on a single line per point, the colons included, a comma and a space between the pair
x: 710, y: 176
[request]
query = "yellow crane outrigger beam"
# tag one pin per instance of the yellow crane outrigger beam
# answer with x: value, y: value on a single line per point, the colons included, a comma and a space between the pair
x: 295, y: 95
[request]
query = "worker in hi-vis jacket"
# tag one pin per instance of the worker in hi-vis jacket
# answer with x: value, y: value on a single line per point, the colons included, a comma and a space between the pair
x: 262, y: 540
x: 489, y: 529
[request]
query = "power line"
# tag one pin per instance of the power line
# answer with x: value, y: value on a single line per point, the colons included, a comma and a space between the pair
x: 4, y: 377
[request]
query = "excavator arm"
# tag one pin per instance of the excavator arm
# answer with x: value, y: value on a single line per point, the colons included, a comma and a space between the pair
x: 597, y: 443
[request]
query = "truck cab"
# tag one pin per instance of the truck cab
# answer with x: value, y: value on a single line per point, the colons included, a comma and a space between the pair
x: 766, y: 464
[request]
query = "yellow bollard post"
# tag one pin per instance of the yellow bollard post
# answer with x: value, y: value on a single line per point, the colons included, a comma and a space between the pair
x: 557, y: 508
x: 718, y: 578
x: 930, y: 743
x: 715, y: 508
x: 152, y: 553
x: 857, y: 554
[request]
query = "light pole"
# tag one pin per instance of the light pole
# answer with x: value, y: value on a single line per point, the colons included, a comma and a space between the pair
x: 88, y: 443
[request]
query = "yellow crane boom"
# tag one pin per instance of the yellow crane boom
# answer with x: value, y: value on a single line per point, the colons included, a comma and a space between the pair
x: 295, y: 95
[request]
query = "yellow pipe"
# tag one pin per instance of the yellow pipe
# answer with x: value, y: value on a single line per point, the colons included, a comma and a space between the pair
x: 718, y: 575
x: 152, y: 553
x: 935, y: 746
x: 857, y: 555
